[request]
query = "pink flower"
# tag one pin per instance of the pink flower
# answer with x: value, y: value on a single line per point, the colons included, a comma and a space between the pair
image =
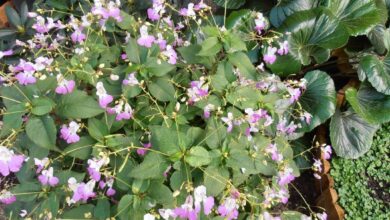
x: 41, y: 163
x: 322, y: 216
x: 153, y: 14
x: 104, y: 98
x: 306, y: 117
x: 81, y: 191
x: 273, y: 150
x: 201, y: 197
x: 295, y: 93
x: 131, y: 80
x: 110, y: 11
x: 317, y: 166
x: 207, y: 109
x: 161, y: 42
x: 283, y: 48
x: 283, y: 128
x: 6, y: 53
x: 327, y: 150
x: 25, y: 78
x: 229, y: 208
x: 142, y: 152
x: 9, y: 161
x: 78, y: 36
x: 201, y: 5
x: 7, y: 198
x: 64, y: 86
x: 122, y: 110
x: 110, y: 192
x: 197, y: 91
x: 123, y: 56
x: 94, y: 166
x: 187, y: 210
x: 145, y: 40
x: 69, y: 133
x: 285, y: 176
x: 171, y: 54
x: 229, y: 121
x: 269, y: 56
x: 260, y: 23
x: 189, y: 11
x: 47, y: 178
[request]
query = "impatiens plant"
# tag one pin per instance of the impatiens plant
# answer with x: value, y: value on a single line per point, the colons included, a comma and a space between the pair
x: 171, y: 111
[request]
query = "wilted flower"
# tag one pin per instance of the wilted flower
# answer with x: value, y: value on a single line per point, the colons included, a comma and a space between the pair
x: 207, y: 109
x: 142, y: 152
x: 229, y: 121
x: 9, y: 161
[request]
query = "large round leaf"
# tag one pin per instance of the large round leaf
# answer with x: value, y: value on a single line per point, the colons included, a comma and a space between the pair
x: 369, y: 104
x: 285, y: 8
x: 319, y: 98
x: 357, y: 16
x: 351, y: 135
x: 313, y: 33
x: 377, y: 72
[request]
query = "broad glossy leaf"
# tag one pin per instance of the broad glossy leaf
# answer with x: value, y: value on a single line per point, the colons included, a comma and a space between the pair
x: 285, y: 65
x: 285, y: 8
x: 357, y: 16
x: 97, y: 129
x: 313, y: 33
x: 377, y: 71
x: 13, y: 17
x: 78, y: 105
x: 319, y: 98
x: 351, y: 135
x: 369, y: 104
x: 379, y: 37
x: 42, y: 131
x: 124, y: 207
x: 239, y: 20
x: 230, y: 4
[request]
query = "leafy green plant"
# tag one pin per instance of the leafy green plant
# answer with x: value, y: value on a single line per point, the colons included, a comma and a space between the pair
x: 363, y: 184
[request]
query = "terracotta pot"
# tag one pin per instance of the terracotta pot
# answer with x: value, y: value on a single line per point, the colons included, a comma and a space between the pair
x: 3, y: 16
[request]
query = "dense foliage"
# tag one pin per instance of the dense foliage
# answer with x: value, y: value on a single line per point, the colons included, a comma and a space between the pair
x: 163, y: 110
x: 363, y: 184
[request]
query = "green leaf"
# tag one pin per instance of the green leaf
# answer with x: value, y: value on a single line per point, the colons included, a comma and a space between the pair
x: 357, y: 16
x: 42, y: 106
x: 230, y: 4
x: 319, y: 98
x: 58, y: 4
x: 13, y: 17
x: 42, y: 131
x: 215, y: 179
x: 240, y: 160
x: 133, y: 51
x: 82, y: 149
x: 233, y: 43
x: 210, y: 47
x: 12, y: 119
x: 23, y: 12
x: 221, y: 79
x: 162, y: 89
x: 197, y: 157
x: 158, y: 67
x: 165, y: 139
x: 64, y: 176
x: 285, y: 8
x: 97, y: 129
x: 351, y: 135
x: 369, y: 104
x: 239, y: 20
x: 215, y: 133
x: 285, y: 65
x: 161, y: 193
x: 292, y: 215
x: 6, y: 32
x: 124, y: 207
x: 80, y: 212
x: 127, y: 21
x: 244, y: 65
x: 244, y: 97
x: 152, y: 167
x: 377, y: 71
x: 379, y: 37
x: 78, y: 105
x: 313, y: 33
x: 26, y: 192
x: 102, y: 209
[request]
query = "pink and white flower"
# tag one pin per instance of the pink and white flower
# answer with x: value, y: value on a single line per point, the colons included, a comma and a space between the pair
x: 64, y: 86
x: 283, y: 48
x: 161, y: 42
x: 201, y: 197
x: 81, y: 191
x: 122, y: 110
x: 273, y: 150
x: 260, y: 22
x: 229, y: 208
x: 197, y: 91
x: 6, y: 53
x: 327, y: 150
x: 94, y: 166
x: 131, y: 80
x: 9, y: 161
x: 157, y: 10
x: 171, y: 54
x: 104, y: 98
x: 146, y: 146
x: 69, y: 132
x: 229, y: 121
x: 285, y: 176
x: 189, y: 11
x: 269, y: 56
x: 47, y: 178
x: 207, y: 109
x: 7, y: 198
x: 145, y: 39
x: 41, y: 164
